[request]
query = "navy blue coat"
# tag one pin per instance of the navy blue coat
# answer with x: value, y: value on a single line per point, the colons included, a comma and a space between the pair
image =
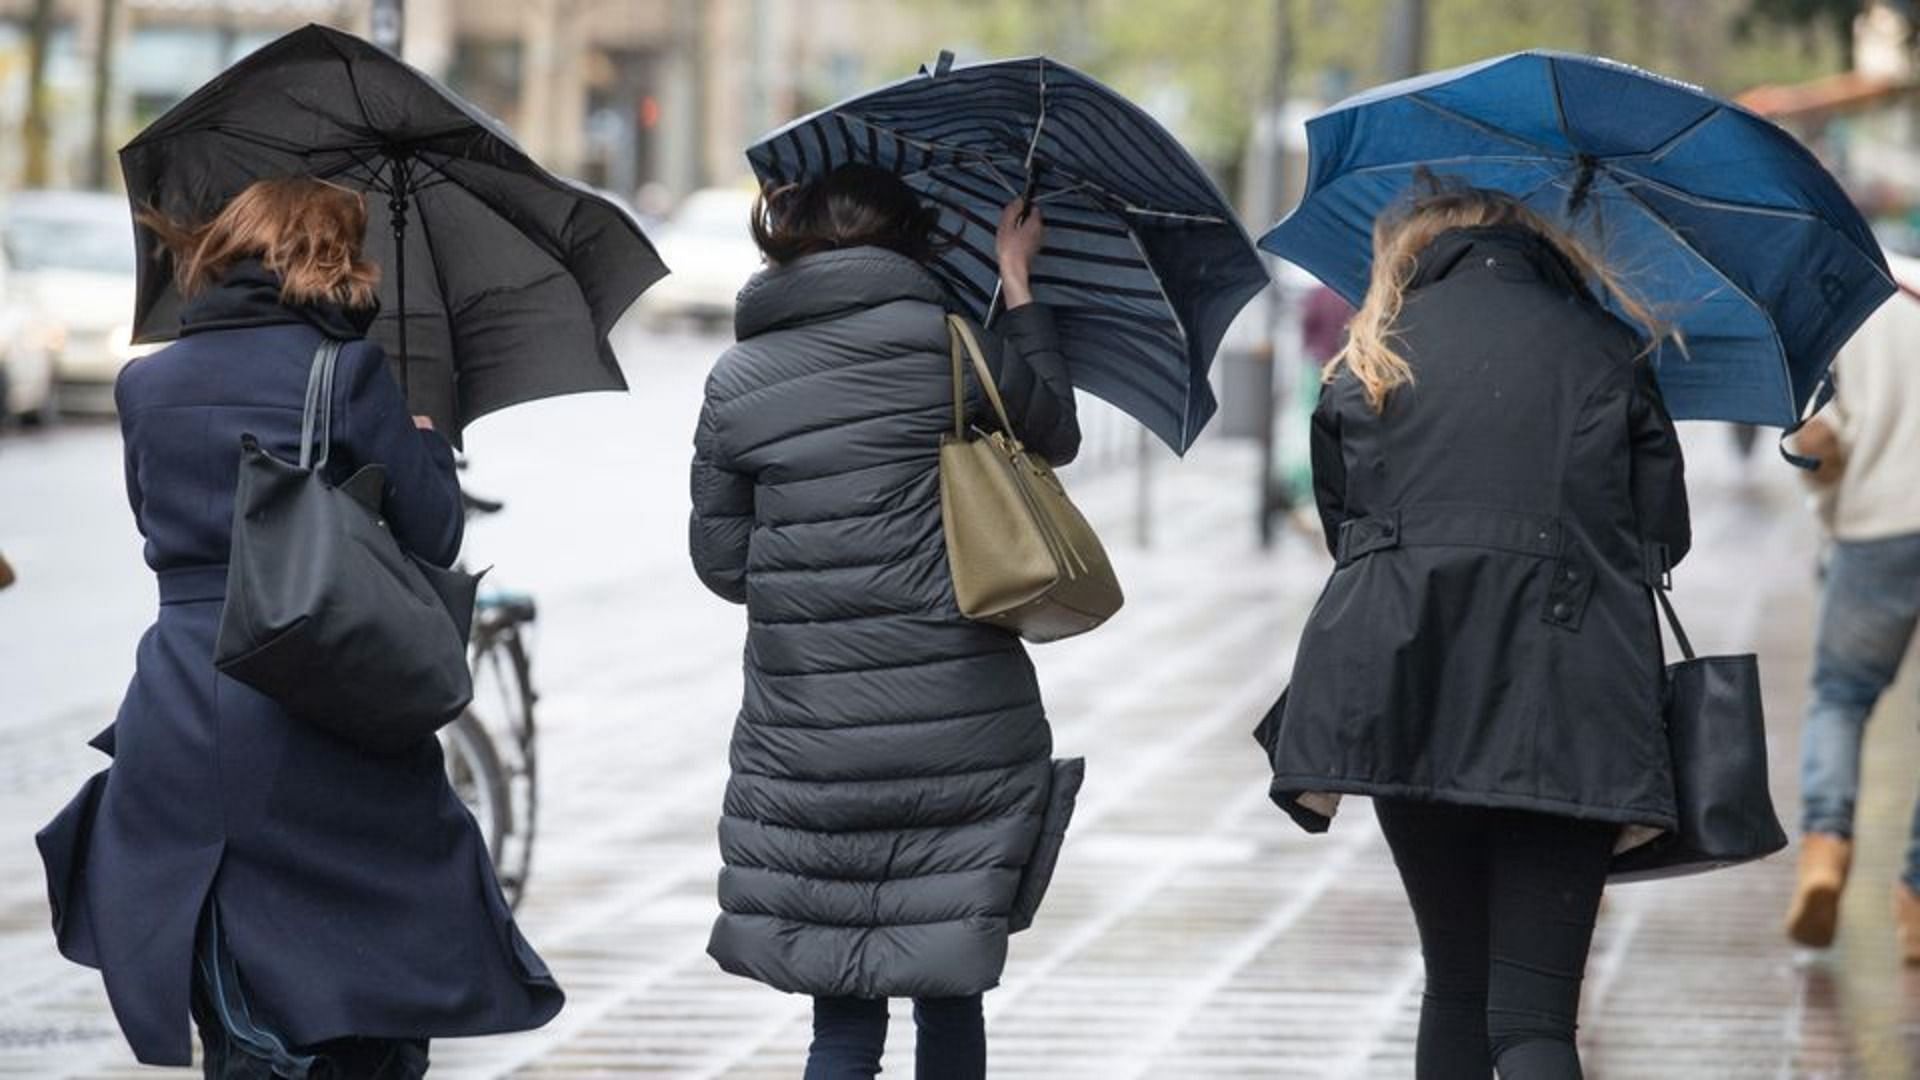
x: 355, y: 891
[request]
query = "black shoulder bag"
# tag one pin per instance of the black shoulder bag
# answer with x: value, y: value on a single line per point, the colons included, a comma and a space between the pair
x: 1717, y: 734
x: 326, y: 613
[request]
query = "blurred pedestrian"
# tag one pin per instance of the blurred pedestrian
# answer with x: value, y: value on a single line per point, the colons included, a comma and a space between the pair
x: 1323, y: 325
x: 894, y: 812
x: 1500, y: 485
x: 1868, y: 443
x: 318, y: 909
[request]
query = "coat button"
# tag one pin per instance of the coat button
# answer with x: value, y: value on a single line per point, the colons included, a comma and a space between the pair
x: 1571, y: 573
x: 1562, y: 611
x: 1492, y: 263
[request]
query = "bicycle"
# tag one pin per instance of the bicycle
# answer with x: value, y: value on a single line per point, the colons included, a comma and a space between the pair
x: 490, y: 747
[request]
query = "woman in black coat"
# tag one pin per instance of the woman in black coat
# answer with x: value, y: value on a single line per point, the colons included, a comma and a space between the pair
x: 314, y: 906
x: 1501, y: 487
x: 894, y: 810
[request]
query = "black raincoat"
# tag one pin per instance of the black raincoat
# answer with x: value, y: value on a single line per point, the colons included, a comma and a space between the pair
x: 1488, y: 637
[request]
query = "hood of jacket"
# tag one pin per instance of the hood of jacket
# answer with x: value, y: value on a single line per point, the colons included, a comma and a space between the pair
x: 1513, y: 250
x: 814, y: 288
x: 248, y: 294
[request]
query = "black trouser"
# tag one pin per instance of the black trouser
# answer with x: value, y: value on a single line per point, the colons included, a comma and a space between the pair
x: 850, y: 1033
x: 1505, y: 901
x: 235, y: 1045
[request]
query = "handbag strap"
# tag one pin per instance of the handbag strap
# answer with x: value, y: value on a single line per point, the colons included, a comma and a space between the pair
x: 965, y: 346
x: 318, y: 412
x: 1673, y: 620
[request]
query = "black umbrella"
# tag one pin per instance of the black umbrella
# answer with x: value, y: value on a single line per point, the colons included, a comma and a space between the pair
x: 1144, y: 263
x: 502, y: 280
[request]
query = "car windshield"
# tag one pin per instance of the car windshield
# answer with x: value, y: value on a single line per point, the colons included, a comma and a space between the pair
x: 92, y: 243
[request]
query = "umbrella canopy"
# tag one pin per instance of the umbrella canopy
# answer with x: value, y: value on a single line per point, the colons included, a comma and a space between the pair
x: 1722, y: 221
x: 501, y: 280
x: 1144, y: 263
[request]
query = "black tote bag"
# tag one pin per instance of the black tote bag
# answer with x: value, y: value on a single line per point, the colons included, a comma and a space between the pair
x: 1718, y: 738
x: 325, y: 612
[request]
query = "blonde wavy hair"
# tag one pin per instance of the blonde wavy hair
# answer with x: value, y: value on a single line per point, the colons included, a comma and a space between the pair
x: 1401, y: 234
x: 307, y: 231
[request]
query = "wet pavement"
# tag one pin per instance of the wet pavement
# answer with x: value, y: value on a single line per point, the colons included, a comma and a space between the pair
x: 1191, y: 930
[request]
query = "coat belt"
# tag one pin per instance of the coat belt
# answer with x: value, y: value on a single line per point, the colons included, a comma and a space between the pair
x: 1570, y: 580
x: 193, y: 584
x: 1453, y: 526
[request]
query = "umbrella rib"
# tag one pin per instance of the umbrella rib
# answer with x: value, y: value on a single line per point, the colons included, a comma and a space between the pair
x: 1173, y: 215
x: 1660, y: 152
x: 1483, y: 127
x: 353, y: 83
x: 1708, y: 203
x: 1465, y: 159
x: 1039, y: 121
x: 1560, y: 105
x: 1687, y: 245
x: 926, y: 145
x: 1186, y: 343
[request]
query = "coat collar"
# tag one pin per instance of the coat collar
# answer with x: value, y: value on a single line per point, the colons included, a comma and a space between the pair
x: 1518, y: 250
x: 248, y: 294
x: 816, y: 287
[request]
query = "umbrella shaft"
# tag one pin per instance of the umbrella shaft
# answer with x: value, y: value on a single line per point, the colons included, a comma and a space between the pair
x: 397, y: 203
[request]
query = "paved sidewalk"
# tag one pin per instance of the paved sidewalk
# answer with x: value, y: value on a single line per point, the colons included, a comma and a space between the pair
x: 1191, y: 931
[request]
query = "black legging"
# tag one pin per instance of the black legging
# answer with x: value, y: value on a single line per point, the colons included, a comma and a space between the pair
x: 1505, y: 901
x: 849, y: 1034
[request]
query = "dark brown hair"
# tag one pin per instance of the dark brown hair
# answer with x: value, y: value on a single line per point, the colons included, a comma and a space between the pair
x: 307, y: 231
x: 852, y: 206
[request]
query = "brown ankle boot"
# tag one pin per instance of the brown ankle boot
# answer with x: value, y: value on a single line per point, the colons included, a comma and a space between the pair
x: 1906, y: 921
x: 1815, y: 915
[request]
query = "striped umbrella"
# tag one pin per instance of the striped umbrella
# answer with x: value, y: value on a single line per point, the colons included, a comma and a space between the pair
x: 1144, y: 263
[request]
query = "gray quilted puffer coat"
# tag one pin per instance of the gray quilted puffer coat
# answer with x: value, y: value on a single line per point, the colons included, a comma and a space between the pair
x: 894, y: 809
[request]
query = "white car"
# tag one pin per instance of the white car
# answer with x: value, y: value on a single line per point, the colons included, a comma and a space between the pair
x: 72, y: 262
x: 27, y: 346
x: 710, y: 253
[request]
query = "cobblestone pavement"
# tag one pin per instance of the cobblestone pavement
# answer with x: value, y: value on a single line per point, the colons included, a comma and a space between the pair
x: 1191, y: 930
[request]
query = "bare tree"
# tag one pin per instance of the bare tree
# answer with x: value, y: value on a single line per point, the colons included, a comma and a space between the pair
x: 39, y: 38
x: 99, y: 149
x: 1406, y: 38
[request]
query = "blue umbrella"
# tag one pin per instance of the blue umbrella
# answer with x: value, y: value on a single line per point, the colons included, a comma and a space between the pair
x: 1718, y: 218
x: 1144, y: 263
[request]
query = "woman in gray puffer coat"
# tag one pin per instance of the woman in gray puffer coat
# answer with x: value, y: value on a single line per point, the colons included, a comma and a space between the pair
x: 894, y: 810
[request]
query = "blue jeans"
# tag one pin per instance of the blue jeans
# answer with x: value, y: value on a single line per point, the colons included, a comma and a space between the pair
x: 1868, y: 610
x: 850, y: 1033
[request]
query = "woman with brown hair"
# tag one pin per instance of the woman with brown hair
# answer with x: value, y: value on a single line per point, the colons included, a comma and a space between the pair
x: 319, y: 910
x: 895, y: 810
x: 1500, y: 486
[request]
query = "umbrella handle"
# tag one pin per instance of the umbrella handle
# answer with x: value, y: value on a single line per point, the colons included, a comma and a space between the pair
x: 1026, y: 193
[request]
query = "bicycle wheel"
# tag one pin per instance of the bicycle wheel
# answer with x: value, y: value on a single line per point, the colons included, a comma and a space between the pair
x: 473, y: 767
x: 503, y: 707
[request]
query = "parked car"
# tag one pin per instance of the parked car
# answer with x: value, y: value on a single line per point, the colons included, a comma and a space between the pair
x: 73, y: 263
x: 708, y: 248
x: 28, y: 343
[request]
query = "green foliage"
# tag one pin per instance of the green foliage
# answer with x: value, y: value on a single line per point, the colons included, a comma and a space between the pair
x: 1203, y: 66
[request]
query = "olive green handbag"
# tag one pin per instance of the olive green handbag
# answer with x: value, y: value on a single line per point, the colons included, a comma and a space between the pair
x: 1022, y: 556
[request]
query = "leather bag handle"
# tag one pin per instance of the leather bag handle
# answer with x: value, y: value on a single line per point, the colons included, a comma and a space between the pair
x: 318, y: 412
x: 1673, y: 620
x: 963, y: 342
